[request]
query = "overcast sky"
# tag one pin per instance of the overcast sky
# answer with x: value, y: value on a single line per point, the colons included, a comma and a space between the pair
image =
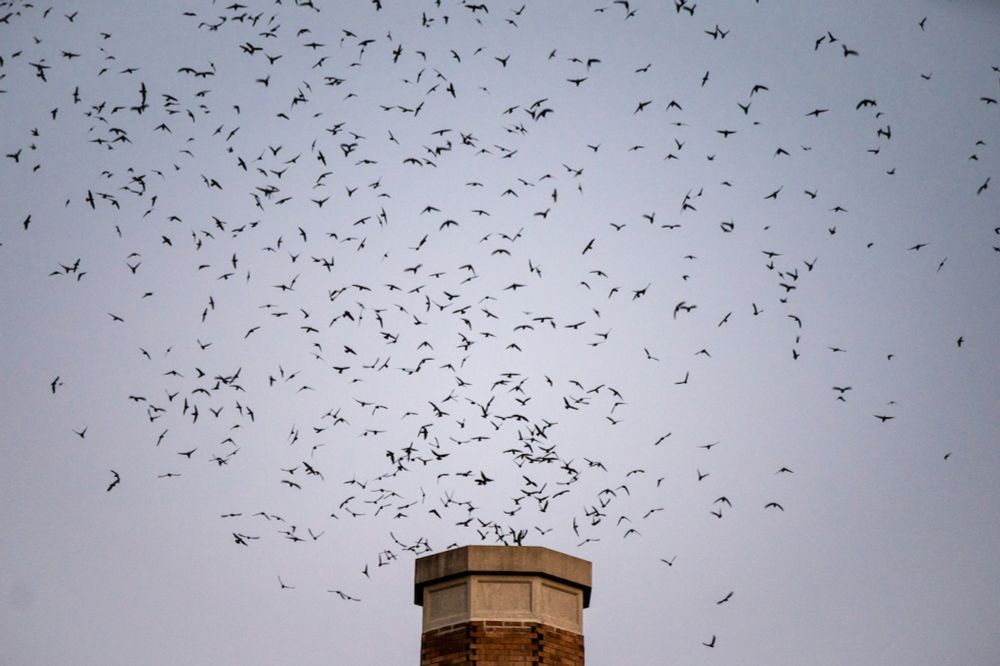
x: 703, y: 293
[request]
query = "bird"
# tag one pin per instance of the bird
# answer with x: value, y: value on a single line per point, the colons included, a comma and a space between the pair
x: 241, y: 539
x: 683, y: 305
x: 344, y: 595
x: 115, y: 482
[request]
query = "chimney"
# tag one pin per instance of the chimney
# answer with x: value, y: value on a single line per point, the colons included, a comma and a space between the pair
x: 493, y: 605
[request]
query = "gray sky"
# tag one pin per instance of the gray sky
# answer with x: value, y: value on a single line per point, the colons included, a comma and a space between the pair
x: 351, y: 284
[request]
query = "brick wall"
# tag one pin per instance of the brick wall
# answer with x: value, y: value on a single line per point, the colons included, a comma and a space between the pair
x: 498, y: 643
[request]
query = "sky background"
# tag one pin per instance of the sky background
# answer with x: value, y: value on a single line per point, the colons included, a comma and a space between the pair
x: 330, y: 287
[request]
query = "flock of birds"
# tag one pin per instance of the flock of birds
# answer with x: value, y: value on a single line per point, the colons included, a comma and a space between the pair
x: 380, y: 238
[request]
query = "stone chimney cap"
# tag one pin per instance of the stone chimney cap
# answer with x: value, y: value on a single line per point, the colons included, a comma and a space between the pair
x: 499, y: 561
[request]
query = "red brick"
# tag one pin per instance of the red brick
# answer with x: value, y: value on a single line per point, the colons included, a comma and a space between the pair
x: 495, y: 643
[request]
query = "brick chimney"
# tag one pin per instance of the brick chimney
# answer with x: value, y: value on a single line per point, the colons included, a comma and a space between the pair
x: 493, y: 605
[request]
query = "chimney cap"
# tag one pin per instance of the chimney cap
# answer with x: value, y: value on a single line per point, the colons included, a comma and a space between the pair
x: 500, y: 561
